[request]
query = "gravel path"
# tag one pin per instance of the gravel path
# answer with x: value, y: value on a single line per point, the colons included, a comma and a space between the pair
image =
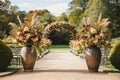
x: 60, y: 65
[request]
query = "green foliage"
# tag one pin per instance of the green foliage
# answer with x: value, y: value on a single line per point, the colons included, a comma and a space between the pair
x: 4, y: 4
x: 5, y: 56
x: 61, y: 37
x: 74, y: 18
x: 114, y: 11
x: 76, y: 8
x: 62, y: 17
x: 115, y: 55
x: 7, y: 14
x: 5, y: 18
x: 94, y: 8
x: 46, y: 17
x: 75, y: 4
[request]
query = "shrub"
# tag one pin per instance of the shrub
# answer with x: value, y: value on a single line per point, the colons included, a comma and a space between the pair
x: 5, y: 56
x: 115, y: 55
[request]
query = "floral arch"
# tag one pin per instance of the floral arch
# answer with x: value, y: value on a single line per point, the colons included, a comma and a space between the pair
x: 60, y: 26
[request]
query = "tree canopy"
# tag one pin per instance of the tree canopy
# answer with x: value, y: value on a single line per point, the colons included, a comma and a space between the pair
x: 94, y: 8
x: 44, y: 16
x: 76, y: 8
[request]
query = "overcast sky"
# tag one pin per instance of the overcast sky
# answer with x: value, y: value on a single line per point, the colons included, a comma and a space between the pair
x: 56, y: 7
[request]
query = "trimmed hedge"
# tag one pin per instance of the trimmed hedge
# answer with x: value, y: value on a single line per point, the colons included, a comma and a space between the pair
x: 5, y: 56
x: 115, y: 55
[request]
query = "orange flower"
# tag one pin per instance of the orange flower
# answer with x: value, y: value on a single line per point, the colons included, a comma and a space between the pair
x: 107, y: 42
x: 21, y: 38
x: 19, y: 33
x: 26, y: 29
x: 93, y: 30
x: 101, y: 35
x: 95, y: 41
x: 98, y: 23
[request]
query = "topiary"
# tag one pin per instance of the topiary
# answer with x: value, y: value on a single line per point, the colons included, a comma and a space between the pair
x: 5, y: 56
x: 115, y: 55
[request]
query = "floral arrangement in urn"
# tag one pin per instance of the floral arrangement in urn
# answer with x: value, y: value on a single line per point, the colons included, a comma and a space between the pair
x: 28, y: 35
x: 96, y: 34
x: 75, y: 46
x: 44, y: 45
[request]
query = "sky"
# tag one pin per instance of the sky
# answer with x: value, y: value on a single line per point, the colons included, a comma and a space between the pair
x: 56, y: 7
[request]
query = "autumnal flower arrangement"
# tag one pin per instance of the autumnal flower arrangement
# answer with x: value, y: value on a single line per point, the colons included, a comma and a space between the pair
x: 75, y: 45
x: 28, y: 35
x: 93, y: 34
x: 45, y: 43
x: 60, y: 26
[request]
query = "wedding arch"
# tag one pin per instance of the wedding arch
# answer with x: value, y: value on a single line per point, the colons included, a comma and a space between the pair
x: 60, y: 26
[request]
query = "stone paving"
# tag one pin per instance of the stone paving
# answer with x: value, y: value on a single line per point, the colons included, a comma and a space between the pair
x: 60, y: 65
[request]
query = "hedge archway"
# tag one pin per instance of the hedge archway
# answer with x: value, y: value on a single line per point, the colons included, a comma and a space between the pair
x: 60, y: 26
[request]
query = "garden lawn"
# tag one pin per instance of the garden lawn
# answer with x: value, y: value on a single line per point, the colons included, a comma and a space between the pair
x: 62, y: 47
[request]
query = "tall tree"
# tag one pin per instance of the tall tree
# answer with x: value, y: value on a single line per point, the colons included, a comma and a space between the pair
x: 94, y: 8
x: 76, y: 8
x: 4, y: 4
x: 13, y: 9
x: 6, y: 16
x: 78, y: 4
x: 74, y: 17
x: 62, y: 17
x: 114, y: 15
x: 44, y: 16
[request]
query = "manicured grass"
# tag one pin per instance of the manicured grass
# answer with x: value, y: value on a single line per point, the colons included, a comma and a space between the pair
x: 59, y: 46
x: 110, y: 66
x: 12, y: 66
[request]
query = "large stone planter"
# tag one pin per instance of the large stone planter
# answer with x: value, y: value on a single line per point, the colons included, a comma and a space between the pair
x: 28, y: 56
x: 93, y: 58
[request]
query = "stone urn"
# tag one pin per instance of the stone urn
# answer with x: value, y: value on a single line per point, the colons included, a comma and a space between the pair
x: 28, y: 56
x: 93, y: 58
